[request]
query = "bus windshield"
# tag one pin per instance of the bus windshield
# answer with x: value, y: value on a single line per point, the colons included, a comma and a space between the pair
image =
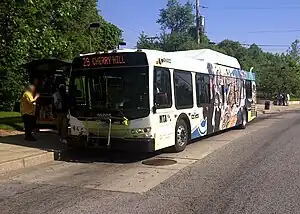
x: 120, y: 91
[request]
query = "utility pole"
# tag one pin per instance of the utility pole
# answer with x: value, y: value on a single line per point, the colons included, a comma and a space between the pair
x: 198, y: 21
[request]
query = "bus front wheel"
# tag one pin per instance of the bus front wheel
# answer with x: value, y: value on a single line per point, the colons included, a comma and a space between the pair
x: 181, y: 136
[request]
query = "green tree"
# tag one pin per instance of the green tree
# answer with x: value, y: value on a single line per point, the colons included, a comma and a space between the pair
x: 145, y: 42
x: 177, y: 23
x: 294, y: 50
x: 176, y: 17
x: 281, y: 74
x: 46, y: 28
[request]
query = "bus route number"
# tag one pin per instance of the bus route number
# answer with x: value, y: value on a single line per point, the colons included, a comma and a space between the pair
x: 86, y: 62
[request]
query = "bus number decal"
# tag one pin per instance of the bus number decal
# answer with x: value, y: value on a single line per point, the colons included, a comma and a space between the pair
x: 163, y: 119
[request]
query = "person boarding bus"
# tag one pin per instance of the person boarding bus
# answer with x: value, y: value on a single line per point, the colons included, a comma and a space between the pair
x: 61, y: 105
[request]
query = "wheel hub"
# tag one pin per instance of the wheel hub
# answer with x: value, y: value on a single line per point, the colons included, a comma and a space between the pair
x: 181, y: 135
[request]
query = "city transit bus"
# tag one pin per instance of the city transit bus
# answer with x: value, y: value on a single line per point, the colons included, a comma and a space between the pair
x: 148, y: 100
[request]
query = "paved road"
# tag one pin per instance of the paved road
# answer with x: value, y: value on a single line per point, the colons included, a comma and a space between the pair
x: 257, y: 172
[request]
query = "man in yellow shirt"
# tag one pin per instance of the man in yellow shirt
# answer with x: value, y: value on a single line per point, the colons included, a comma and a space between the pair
x: 28, y: 106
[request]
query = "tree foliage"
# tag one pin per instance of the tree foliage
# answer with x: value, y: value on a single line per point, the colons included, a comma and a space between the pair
x: 294, y: 50
x: 178, y: 29
x: 275, y: 73
x: 176, y: 17
x: 32, y: 29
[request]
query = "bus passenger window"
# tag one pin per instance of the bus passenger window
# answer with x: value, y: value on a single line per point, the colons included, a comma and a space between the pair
x: 202, y: 89
x: 162, y: 88
x: 183, y: 89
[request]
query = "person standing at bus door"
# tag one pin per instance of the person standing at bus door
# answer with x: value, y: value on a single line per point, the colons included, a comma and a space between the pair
x: 28, y: 108
x: 61, y: 106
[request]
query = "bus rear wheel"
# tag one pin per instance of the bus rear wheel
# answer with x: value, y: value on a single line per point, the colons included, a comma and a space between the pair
x: 181, y: 136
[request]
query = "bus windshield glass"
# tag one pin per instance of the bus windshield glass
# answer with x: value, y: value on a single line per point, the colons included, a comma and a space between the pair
x: 118, y: 91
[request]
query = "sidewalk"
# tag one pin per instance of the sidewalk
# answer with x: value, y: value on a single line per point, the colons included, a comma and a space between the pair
x: 276, y: 109
x: 16, y: 153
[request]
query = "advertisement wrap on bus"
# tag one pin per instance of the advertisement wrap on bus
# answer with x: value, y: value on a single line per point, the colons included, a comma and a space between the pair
x: 148, y: 100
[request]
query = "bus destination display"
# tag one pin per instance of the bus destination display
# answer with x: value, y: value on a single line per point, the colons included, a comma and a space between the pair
x: 97, y: 61
x: 110, y: 60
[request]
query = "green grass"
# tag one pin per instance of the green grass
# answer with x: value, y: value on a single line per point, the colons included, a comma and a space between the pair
x: 11, y: 121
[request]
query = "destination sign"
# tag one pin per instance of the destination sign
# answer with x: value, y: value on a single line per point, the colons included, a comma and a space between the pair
x: 111, y: 60
x: 103, y: 60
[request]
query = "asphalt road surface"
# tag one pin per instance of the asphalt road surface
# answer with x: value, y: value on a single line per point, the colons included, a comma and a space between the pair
x: 255, y: 171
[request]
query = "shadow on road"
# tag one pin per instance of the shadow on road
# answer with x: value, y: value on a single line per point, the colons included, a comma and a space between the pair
x: 48, y: 141
x: 45, y: 141
x: 90, y: 155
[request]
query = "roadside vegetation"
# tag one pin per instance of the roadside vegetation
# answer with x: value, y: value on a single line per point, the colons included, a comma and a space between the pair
x: 35, y: 29
x: 11, y: 121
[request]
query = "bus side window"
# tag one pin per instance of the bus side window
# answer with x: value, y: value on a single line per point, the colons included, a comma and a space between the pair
x: 162, y: 88
x: 183, y: 89
x: 202, y: 89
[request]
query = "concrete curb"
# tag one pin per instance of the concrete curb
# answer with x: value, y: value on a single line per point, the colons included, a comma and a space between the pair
x: 25, y: 162
x: 277, y: 111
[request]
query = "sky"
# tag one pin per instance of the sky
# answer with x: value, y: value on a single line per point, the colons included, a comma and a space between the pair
x: 264, y: 22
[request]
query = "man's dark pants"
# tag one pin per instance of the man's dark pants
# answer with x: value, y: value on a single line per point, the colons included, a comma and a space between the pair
x: 29, y: 124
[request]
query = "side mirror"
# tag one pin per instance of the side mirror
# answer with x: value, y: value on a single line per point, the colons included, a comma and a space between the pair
x: 154, y: 108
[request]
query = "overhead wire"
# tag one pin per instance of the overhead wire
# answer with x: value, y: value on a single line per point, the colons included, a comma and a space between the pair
x: 275, y: 31
x: 265, y: 45
x: 253, y: 8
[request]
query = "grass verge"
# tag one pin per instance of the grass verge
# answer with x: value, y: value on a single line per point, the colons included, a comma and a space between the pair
x: 11, y: 121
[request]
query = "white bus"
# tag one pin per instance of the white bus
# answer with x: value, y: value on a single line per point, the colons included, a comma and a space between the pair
x: 148, y: 100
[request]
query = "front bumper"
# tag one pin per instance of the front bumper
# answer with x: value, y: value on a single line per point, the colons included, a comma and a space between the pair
x: 125, y: 144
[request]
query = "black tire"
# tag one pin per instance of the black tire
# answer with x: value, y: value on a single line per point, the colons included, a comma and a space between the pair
x: 182, y: 136
x: 243, y: 125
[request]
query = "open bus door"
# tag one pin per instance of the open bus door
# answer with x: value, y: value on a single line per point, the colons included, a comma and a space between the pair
x: 47, y: 75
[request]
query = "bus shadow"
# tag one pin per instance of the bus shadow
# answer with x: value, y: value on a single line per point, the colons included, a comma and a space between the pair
x: 49, y: 141
x: 93, y: 155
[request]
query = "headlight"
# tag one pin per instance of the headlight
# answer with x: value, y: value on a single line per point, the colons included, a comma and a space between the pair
x: 141, y: 130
